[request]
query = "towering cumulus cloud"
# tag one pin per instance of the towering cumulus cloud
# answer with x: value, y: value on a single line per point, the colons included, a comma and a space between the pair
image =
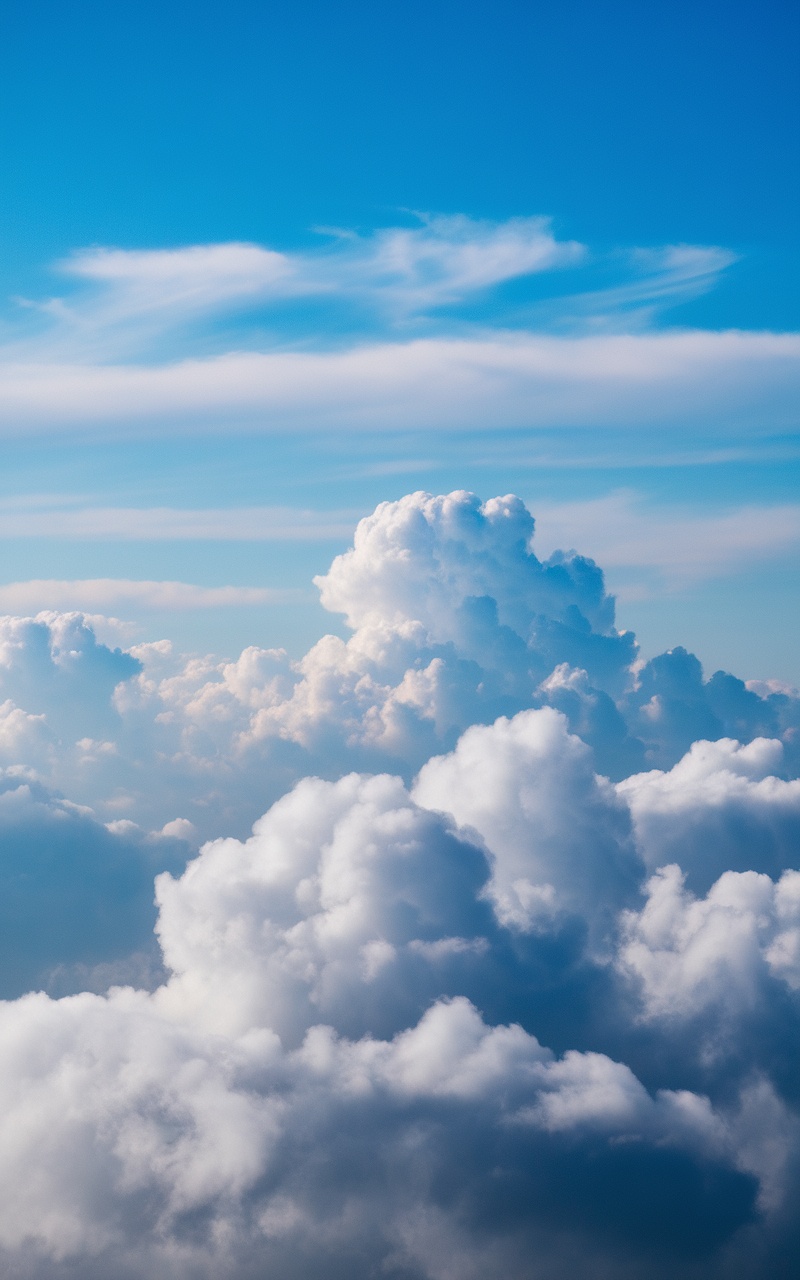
x: 475, y: 947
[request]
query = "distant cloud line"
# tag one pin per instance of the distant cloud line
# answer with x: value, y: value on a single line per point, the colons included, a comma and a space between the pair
x: 104, y: 593
x: 161, y: 524
x: 742, y: 381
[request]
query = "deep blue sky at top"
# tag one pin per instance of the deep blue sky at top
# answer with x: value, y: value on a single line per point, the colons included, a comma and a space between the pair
x: 143, y: 124
x: 158, y: 124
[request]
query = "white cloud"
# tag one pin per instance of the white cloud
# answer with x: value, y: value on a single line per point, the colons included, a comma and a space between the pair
x: 723, y: 806
x: 669, y: 274
x: 313, y: 918
x: 131, y: 296
x: 558, y: 839
x: 111, y: 593
x: 46, y: 518
x: 167, y: 284
x: 127, y: 345
x: 746, y: 381
x: 178, y: 1133
x: 690, y: 954
x: 456, y: 622
x: 140, y: 1125
x: 341, y: 1068
x: 401, y: 272
x: 433, y: 560
x: 443, y: 261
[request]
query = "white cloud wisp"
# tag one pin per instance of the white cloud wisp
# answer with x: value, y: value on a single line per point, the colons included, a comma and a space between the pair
x: 746, y: 381
x: 403, y: 329
x: 102, y: 594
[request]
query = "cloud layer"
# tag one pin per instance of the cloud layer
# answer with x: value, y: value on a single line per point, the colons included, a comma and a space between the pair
x: 489, y: 963
x: 446, y: 324
x: 744, y: 382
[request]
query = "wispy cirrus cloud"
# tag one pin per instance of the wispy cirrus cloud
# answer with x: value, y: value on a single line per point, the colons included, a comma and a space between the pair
x: 511, y: 380
x: 405, y: 328
x: 397, y: 273
x: 124, y: 298
x: 86, y: 594
x: 47, y: 517
x: 656, y: 278
x: 444, y: 261
x: 170, y: 284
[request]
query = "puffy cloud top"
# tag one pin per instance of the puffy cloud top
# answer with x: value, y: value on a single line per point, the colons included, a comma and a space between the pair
x: 422, y: 557
x: 557, y: 835
x: 490, y: 965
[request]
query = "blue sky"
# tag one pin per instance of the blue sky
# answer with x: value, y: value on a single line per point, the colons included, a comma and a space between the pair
x: 502, y: 247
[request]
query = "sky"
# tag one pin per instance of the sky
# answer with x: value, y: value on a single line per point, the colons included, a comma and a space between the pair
x: 566, y: 235
x: 399, y: 721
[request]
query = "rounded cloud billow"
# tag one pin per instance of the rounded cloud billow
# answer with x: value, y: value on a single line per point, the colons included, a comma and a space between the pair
x: 475, y: 948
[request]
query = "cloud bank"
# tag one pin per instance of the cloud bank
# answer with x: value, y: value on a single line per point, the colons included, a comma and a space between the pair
x: 489, y: 962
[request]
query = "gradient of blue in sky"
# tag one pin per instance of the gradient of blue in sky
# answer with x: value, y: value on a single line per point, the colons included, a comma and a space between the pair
x: 312, y: 129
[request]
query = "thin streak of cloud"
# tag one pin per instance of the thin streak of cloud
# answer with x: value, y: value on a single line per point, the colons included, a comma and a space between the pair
x: 125, y: 298
x: 123, y: 349
x: 40, y: 594
x: 623, y: 459
x: 652, y: 279
x: 164, y: 524
x: 414, y: 270
x: 732, y: 379
x: 192, y: 279
x: 400, y: 270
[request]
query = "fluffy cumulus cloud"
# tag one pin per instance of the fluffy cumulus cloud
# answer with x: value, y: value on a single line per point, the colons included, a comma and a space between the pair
x: 454, y: 621
x: 556, y: 834
x: 468, y: 945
